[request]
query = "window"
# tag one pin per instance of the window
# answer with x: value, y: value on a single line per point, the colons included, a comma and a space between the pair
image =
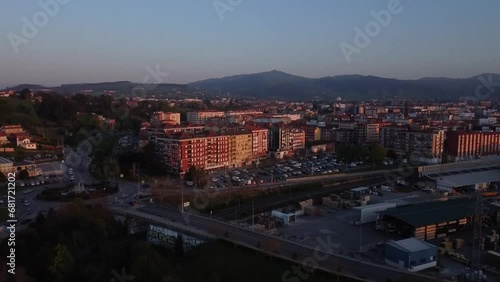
x: 431, y: 258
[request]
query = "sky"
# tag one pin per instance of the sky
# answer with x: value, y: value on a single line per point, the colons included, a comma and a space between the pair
x: 78, y: 41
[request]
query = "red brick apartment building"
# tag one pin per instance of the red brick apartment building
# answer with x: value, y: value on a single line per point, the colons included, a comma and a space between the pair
x: 180, y: 151
x: 467, y: 145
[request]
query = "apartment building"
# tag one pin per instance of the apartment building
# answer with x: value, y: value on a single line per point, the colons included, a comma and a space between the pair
x: 272, y: 119
x: 157, y: 132
x: 327, y: 133
x: 284, y: 140
x: 345, y: 136
x: 201, y: 117
x: 367, y: 133
x: 313, y: 133
x: 12, y: 129
x: 298, y: 140
x: 161, y: 118
x: 179, y: 151
x: 244, y: 113
x: 421, y: 145
x: 260, y: 141
x: 240, y: 149
x: 466, y: 145
x: 3, y: 138
x: 218, y: 151
x: 16, y: 134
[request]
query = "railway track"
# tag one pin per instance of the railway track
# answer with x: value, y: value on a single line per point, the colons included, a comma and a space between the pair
x: 265, y: 204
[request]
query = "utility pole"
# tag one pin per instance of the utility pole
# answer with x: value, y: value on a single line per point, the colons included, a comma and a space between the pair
x: 253, y: 211
x: 182, y: 195
x: 476, y: 240
x: 360, y: 231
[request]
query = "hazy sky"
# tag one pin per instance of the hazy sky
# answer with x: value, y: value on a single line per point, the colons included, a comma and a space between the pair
x: 92, y: 41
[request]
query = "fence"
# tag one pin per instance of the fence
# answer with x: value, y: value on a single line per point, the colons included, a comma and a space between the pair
x: 454, y: 166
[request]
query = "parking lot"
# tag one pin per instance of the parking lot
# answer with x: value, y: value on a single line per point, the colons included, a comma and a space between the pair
x: 41, y: 157
x: 281, y: 171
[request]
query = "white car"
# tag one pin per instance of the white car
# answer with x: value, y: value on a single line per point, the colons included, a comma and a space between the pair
x: 26, y: 203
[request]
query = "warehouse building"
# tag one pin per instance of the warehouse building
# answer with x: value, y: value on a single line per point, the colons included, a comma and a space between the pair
x: 411, y: 254
x: 436, y: 219
x: 466, y: 176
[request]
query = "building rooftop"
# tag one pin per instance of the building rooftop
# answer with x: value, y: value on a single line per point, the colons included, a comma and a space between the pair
x: 411, y: 245
x: 5, y: 160
x: 475, y: 176
x: 434, y: 212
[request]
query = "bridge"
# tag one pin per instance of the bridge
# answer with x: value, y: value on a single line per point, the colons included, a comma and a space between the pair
x: 310, y: 257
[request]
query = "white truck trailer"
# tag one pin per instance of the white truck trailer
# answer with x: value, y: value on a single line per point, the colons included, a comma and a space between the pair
x: 370, y: 213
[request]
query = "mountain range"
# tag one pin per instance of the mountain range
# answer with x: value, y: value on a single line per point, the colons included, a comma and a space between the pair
x: 286, y: 86
x: 281, y: 85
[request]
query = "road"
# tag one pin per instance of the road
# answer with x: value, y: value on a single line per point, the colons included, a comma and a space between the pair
x: 321, y: 255
x: 81, y: 175
x: 129, y: 189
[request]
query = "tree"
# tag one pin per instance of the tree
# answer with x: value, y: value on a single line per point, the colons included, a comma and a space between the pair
x: 215, y: 277
x: 25, y: 94
x: 208, y: 103
x: 63, y: 263
x: 197, y: 175
x: 3, y: 178
x: 347, y: 152
x: 40, y: 219
x: 392, y: 154
x: 24, y: 174
x: 377, y: 153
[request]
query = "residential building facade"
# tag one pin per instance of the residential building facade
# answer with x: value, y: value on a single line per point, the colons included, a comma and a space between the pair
x: 201, y: 117
x: 465, y: 145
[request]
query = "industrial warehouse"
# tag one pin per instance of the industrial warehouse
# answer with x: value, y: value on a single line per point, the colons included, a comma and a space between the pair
x: 436, y: 219
x: 463, y: 177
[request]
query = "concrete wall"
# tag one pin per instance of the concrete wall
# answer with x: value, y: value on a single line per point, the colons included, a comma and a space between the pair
x: 396, y: 255
x: 423, y: 257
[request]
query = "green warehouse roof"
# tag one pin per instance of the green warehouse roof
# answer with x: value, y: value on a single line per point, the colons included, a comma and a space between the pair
x: 435, y: 212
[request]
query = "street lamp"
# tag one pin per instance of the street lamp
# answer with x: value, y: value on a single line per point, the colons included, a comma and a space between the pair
x: 253, y: 210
